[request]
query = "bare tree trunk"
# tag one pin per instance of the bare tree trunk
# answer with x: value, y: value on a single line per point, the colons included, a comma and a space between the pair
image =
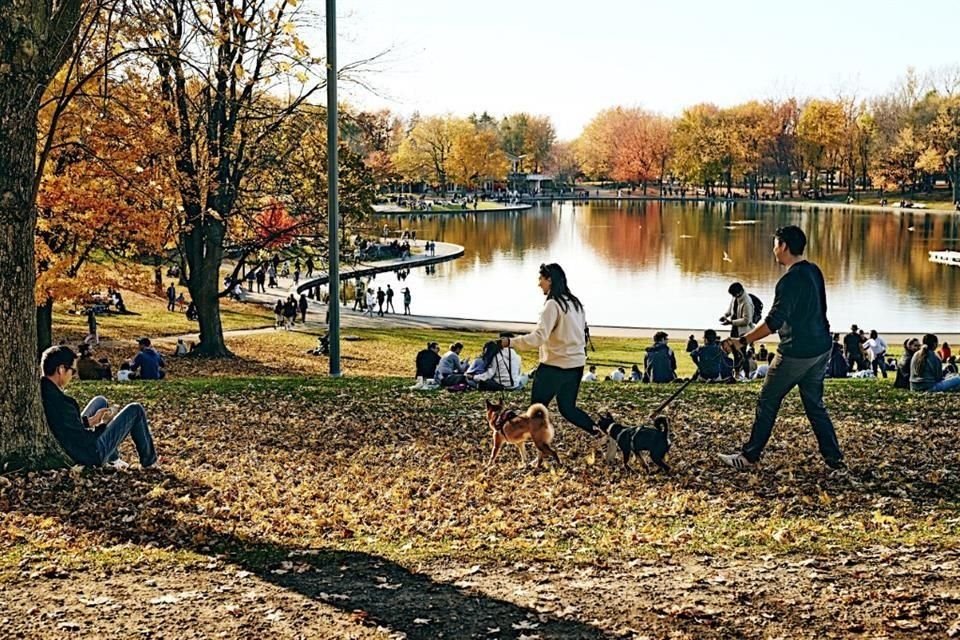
x: 204, y: 249
x: 24, y: 439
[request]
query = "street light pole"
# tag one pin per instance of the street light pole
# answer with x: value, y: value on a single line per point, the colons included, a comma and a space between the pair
x: 333, y: 174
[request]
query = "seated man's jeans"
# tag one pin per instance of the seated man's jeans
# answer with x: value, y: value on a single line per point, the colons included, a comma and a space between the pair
x: 132, y: 420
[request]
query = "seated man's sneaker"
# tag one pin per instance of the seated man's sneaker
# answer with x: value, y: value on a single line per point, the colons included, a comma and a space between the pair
x: 736, y: 460
x: 119, y: 464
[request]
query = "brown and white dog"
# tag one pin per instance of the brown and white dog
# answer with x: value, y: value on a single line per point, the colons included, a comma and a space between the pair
x: 516, y: 428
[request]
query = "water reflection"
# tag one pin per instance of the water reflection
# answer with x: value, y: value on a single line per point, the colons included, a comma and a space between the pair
x: 662, y: 264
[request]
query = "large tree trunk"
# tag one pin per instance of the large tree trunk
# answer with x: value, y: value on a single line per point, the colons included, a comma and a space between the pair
x: 204, y: 249
x: 24, y: 439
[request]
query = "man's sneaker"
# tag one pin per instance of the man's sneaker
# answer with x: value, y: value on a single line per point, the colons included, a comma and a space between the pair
x: 838, y: 468
x: 119, y: 464
x: 736, y: 460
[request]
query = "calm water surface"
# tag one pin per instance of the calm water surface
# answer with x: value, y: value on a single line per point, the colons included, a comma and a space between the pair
x: 651, y: 264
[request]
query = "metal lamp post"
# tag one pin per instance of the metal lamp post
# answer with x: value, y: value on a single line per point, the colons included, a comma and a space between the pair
x: 333, y: 208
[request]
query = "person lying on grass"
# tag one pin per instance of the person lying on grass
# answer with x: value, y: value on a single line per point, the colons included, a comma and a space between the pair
x: 90, y: 437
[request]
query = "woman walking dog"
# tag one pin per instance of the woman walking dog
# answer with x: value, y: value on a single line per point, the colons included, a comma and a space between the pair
x: 559, y: 335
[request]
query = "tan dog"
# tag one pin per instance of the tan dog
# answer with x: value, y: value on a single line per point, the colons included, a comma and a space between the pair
x: 516, y: 428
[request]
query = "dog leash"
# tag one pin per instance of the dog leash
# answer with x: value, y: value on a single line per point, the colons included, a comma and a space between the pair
x: 676, y: 393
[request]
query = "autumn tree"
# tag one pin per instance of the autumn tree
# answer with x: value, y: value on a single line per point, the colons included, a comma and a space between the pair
x: 424, y: 154
x: 475, y: 155
x: 821, y: 130
x: 35, y: 39
x: 701, y: 154
x: 597, y: 145
x: 106, y: 193
x: 217, y: 66
x: 563, y: 163
x: 945, y: 134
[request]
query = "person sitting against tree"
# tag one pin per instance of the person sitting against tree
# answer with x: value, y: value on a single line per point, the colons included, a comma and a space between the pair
x: 90, y: 369
x: 90, y: 437
x: 926, y: 369
x: 148, y: 363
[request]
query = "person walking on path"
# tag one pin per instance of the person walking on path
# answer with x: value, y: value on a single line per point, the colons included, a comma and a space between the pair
x: 371, y: 301
x: 381, y: 297
x: 171, y: 298
x: 799, y: 315
x: 559, y: 336
x: 358, y: 296
x: 406, y: 301
x: 390, y: 307
x: 310, y: 266
x: 93, y: 333
x: 278, y: 314
x: 304, y: 304
x: 877, y: 348
x: 261, y: 279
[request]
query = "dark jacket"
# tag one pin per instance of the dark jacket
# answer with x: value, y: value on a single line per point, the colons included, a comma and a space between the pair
x: 902, y: 381
x: 90, y: 369
x: 708, y: 358
x: 851, y: 344
x: 304, y: 304
x: 68, y: 426
x: 427, y: 362
x: 799, y: 312
x: 837, y: 367
x: 149, y: 363
x: 660, y: 363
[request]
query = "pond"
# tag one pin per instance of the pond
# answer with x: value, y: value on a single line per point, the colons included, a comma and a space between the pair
x: 653, y: 264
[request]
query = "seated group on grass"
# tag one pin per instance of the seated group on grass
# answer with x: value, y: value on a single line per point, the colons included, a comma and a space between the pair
x: 147, y: 364
x: 90, y: 437
x: 922, y: 368
x: 494, y: 369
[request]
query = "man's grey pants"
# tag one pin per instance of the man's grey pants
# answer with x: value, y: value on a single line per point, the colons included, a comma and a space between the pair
x: 784, y: 374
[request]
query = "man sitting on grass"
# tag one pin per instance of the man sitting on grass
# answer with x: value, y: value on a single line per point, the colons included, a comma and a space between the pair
x: 90, y: 437
x: 148, y: 363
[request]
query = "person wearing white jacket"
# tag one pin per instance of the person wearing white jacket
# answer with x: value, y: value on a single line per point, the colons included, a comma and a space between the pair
x: 504, y: 370
x: 560, y: 338
x: 739, y: 314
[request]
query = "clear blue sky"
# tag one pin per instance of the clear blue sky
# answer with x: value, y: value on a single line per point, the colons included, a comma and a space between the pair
x: 570, y: 59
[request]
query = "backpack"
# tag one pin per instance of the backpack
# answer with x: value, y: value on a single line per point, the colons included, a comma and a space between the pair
x: 757, y: 308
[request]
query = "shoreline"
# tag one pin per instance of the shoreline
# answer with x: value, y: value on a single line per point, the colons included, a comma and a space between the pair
x: 407, y: 212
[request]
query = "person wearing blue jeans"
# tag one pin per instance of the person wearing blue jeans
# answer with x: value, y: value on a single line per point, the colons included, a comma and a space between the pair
x: 926, y: 369
x: 90, y: 437
x: 799, y: 315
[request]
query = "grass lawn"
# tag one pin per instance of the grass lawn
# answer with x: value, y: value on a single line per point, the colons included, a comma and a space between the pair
x: 294, y: 505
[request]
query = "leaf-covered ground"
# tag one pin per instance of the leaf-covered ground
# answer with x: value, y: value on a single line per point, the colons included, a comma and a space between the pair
x: 291, y: 505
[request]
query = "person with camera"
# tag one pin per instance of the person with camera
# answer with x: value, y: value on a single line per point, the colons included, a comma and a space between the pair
x: 92, y: 436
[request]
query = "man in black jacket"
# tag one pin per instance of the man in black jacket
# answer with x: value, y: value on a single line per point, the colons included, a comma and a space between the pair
x: 799, y: 315
x: 427, y: 361
x: 90, y: 437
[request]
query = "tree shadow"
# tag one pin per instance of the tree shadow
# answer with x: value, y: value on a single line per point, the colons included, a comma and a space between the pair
x: 158, y: 508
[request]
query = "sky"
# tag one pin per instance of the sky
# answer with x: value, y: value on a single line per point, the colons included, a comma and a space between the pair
x: 569, y: 60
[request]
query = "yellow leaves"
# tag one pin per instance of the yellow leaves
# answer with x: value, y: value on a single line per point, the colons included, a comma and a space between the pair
x: 300, y: 47
x: 289, y: 28
x: 238, y: 70
x: 302, y: 76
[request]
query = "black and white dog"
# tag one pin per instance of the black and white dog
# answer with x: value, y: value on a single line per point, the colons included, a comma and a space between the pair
x: 635, y: 440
